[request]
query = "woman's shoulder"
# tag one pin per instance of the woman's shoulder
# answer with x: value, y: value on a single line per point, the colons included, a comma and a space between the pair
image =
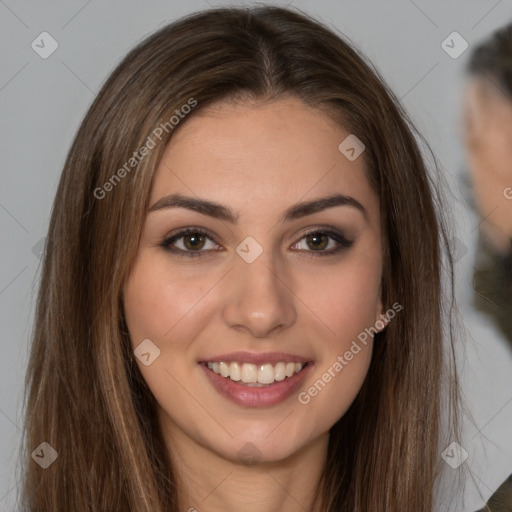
x: 501, y: 500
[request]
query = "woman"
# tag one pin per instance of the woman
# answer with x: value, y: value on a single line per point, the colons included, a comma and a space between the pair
x: 240, y: 305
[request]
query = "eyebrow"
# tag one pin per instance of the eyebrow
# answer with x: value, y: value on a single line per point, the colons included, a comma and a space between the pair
x: 220, y: 212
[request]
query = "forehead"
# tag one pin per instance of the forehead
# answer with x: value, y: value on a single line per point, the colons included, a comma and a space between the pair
x: 267, y: 152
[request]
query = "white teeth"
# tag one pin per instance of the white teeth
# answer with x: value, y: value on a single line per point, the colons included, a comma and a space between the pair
x: 235, y: 372
x: 224, y: 369
x: 280, y: 371
x: 249, y: 373
x: 265, y: 374
x: 254, y: 375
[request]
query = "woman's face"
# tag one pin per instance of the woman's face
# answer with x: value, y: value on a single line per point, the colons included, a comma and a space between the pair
x: 261, y: 251
x: 488, y: 132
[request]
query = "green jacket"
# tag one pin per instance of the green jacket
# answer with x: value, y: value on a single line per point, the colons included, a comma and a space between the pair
x: 492, y: 283
x: 501, y: 500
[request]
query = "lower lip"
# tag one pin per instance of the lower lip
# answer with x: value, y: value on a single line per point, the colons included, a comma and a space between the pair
x: 249, y: 396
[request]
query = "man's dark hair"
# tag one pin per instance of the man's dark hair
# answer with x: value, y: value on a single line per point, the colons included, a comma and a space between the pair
x: 492, y: 59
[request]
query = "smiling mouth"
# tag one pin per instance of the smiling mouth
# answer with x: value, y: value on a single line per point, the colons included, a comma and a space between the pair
x: 253, y: 375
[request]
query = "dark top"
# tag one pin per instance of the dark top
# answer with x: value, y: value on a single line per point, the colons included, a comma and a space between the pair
x: 501, y: 500
x: 492, y: 284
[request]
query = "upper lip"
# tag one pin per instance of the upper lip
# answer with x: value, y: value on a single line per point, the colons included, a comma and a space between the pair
x: 257, y: 359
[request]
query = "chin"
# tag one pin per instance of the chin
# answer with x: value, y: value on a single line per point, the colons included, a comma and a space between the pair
x: 263, y: 444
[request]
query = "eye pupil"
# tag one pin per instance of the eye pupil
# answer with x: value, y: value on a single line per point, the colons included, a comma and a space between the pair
x: 194, y: 240
x: 319, y: 240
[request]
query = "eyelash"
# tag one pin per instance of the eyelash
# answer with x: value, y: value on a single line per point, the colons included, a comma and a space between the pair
x: 343, y: 243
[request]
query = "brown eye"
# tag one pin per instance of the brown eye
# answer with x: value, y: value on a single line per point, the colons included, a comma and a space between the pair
x: 191, y: 242
x: 322, y: 242
x: 194, y: 241
x: 317, y: 241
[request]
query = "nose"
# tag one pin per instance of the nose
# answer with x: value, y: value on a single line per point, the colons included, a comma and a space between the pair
x: 259, y: 299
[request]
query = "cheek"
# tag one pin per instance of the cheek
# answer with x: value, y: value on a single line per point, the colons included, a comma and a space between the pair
x: 490, y: 157
x: 157, y: 301
x: 338, y: 378
x: 170, y: 309
x: 346, y: 299
x: 348, y: 306
x: 487, y: 173
x: 339, y: 308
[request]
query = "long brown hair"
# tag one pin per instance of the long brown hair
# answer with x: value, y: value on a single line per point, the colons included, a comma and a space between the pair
x: 86, y: 397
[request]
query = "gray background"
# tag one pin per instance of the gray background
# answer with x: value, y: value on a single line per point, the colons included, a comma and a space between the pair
x: 42, y: 102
